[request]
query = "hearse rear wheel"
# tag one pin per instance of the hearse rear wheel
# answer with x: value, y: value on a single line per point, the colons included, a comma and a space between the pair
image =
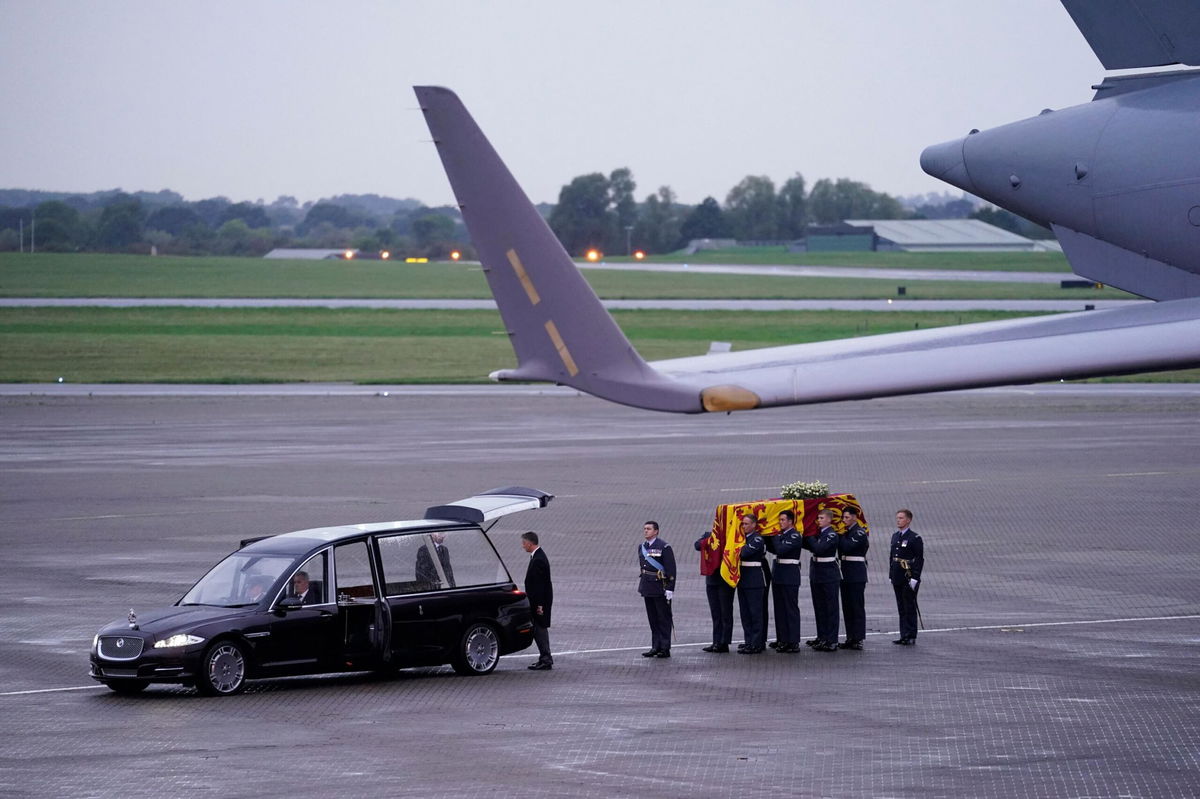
x: 478, y: 651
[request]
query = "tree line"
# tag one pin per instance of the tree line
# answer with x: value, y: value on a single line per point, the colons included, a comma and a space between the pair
x: 163, y: 221
x: 594, y: 211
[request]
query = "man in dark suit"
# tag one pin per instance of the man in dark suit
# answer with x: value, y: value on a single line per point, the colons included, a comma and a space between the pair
x: 824, y: 579
x: 426, y: 571
x: 540, y: 591
x: 852, y: 549
x: 303, y: 590
x: 907, y: 561
x: 656, y: 584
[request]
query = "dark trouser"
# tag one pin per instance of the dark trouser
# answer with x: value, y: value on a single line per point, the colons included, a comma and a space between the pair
x: 754, y: 628
x: 906, y: 604
x: 825, y: 608
x: 787, y: 613
x: 541, y: 637
x: 658, y: 613
x: 720, y: 606
x: 854, y: 610
x: 766, y: 601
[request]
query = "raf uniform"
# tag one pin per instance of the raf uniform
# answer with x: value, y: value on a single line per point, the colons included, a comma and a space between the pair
x: 653, y: 585
x: 852, y: 548
x: 823, y: 580
x: 907, y: 560
x: 720, y: 605
x: 786, y: 590
x: 751, y: 593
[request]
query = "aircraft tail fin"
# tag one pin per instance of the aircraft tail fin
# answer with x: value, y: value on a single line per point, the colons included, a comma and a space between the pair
x: 559, y: 329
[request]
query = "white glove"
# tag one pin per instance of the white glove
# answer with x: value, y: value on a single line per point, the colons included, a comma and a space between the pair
x: 912, y: 584
x: 670, y: 595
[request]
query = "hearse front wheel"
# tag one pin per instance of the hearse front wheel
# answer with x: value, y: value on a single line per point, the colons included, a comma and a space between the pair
x: 223, y: 670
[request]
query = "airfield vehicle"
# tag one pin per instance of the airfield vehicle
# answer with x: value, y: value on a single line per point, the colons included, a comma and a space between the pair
x: 379, y: 596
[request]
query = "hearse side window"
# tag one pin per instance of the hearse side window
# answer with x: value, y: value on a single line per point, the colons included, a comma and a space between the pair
x: 475, y: 560
x: 352, y: 567
x: 403, y: 557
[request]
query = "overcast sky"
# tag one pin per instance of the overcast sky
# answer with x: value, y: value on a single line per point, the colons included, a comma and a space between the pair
x: 253, y: 99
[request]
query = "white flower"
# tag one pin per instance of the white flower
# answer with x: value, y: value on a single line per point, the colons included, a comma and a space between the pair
x: 804, y: 490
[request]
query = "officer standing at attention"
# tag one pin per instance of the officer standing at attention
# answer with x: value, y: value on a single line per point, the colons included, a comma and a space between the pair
x: 786, y: 587
x: 720, y: 604
x: 852, y: 547
x: 656, y: 584
x: 824, y: 580
x: 908, y: 558
x: 751, y: 588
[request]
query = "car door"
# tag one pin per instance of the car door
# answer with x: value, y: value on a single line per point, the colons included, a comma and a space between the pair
x: 364, y: 620
x: 305, y: 638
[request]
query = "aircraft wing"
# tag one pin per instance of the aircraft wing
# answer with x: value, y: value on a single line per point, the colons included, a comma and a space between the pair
x: 562, y: 334
x: 1139, y: 33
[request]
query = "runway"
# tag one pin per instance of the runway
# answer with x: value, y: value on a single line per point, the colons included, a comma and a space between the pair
x: 1034, y: 306
x: 1060, y: 601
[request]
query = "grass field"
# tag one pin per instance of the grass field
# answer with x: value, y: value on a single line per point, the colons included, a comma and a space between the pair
x: 98, y: 275
x: 98, y: 345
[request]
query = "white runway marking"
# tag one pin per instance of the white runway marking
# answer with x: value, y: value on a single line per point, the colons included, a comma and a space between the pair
x: 1010, y: 626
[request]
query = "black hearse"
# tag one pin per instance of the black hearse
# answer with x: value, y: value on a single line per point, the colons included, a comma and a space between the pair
x: 359, y: 597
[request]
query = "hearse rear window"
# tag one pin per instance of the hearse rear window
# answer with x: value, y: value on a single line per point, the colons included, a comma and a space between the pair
x: 439, y: 560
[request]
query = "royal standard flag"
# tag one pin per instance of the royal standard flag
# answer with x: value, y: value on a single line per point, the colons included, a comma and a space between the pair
x: 722, y: 552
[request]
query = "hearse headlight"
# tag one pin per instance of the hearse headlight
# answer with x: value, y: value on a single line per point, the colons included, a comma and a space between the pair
x: 178, y: 640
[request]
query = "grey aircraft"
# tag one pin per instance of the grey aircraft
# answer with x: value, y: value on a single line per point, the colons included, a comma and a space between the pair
x: 1117, y: 179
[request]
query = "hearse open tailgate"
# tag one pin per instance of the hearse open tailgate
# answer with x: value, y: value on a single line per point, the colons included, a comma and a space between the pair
x: 491, y: 505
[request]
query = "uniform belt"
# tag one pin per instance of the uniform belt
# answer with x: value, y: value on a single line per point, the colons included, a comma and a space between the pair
x: 752, y: 563
x: 786, y: 561
x: 854, y: 557
x: 825, y: 560
x: 650, y: 571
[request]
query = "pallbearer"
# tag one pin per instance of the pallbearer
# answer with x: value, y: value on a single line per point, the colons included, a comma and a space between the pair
x: 824, y: 580
x: 852, y: 548
x: 786, y: 587
x: 751, y: 588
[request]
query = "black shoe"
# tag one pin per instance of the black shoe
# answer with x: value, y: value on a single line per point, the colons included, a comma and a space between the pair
x: 905, y: 641
x: 750, y: 650
x: 826, y: 646
x: 717, y: 648
x: 663, y: 653
x: 541, y: 665
x: 812, y: 642
x: 742, y: 648
x: 774, y: 644
x: 856, y: 645
x: 650, y: 654
x: 793, y: 648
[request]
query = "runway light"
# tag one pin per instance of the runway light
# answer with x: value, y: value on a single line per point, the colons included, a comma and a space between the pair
x: 348, y: 255
x: 385, y: 255
x: 639, y: 255
x: 416, y: 260
x: 455, y: 255
x: 593, y: 255
x: 889, y: 300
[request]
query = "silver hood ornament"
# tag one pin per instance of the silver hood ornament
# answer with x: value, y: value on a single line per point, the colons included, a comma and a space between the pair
x: 133, y: 625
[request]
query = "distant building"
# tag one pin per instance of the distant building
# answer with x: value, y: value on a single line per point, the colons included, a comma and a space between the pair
x: 919, y: 235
